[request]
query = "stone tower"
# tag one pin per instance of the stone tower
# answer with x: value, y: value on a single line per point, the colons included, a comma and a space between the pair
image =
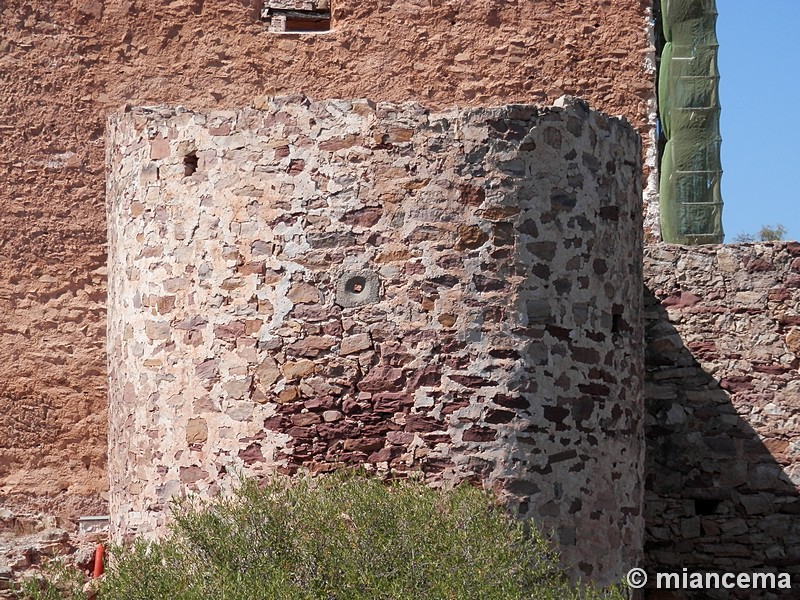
x: 311, y: 285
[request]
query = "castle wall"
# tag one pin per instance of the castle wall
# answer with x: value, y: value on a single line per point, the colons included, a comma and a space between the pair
x: 723, y: 401
x: 316, y: 285
x: 65, y: 64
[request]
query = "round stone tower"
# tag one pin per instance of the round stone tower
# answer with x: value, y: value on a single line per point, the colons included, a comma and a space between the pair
x: 311, y: 285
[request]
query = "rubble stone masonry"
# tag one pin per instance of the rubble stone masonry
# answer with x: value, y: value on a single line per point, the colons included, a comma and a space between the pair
x: 378, y: 284
x: 723, y: 404
x: 65, y: 64
x: 313, y: 285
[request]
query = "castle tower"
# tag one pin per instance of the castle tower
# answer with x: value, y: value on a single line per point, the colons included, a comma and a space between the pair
x: 314, y: 285
x: 67, y: 64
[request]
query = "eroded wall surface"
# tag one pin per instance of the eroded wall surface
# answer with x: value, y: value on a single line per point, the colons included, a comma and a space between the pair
x: 65, y: 64
x: 723, y: 402
x: 322, y: 284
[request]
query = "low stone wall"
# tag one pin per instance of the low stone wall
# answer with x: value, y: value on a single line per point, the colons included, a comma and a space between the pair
x: 322, y: 284
x: 723, y: 403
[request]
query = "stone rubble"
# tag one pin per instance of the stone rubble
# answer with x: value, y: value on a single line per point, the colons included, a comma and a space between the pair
x: 29, y: 541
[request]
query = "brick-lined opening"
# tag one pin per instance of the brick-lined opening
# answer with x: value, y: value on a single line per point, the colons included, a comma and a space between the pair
x: 297, y: 16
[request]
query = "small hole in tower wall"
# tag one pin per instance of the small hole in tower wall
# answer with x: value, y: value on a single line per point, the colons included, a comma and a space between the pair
x: 355, y: 285
x: 297, y: 16
x: 357, y: 289
x: 705, y: 506
x: 618, y: 323
x: 190, y: 164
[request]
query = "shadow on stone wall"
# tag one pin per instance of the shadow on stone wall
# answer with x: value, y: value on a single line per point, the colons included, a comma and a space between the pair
x: 716, y: 498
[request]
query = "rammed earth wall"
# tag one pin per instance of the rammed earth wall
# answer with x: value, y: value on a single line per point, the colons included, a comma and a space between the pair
x: 723, y: 403
x: 321, y: 284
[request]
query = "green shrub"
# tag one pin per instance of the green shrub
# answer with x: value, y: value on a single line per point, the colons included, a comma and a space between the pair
x: 342, y: 537
x: 56, y: 581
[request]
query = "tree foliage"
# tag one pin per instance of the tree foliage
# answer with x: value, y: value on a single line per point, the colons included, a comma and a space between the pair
x: 767, y: 233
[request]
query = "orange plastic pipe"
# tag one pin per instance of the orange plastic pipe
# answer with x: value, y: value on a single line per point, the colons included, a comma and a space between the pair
x: 99, y: 551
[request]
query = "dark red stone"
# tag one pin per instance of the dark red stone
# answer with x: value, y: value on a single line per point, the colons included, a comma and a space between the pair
x: 296, y: 166
x: 420, y: 423
x: 426, y: 376
x: 596, y: 374
x: 392, y: 402
x: 609, y: 212
x: 737, y: 384
x: 594, y: 389
x: 312, y: 346
x: 500, y: 416
x: 301, y: 432
x: 560, y: 333
x: 383, y: 378
x: 793, y: 248
x: 453, y: 406
x: 336, y: 431
x: 251, y: 454
x: 562, y: 456
x: 436, y: 438
x: 555, y: 414
x: 488, y: 284
x: 314, y: 313
x: 229, y: 331
x: 276, y: 423
x: 588, y: 356
x: 378, y: 429
x: 364, y: 217
x: 334, y: 144
x: 516, y: 401
x: 448, y: 281
x: 457, y: 362
x: 681, y: 300
x: 385, y: 454
x: 779, y: 295
x: 320, y: 403
x: 471, y: 195
x: 600, y: 267
x: 362, y: 444
x: 350, y: 406
x: 252, y: 268
x: 771, y: 369
x: 400, y: 438
x: 703, y: 349
x: 758, y: 265
x: 479, y: 434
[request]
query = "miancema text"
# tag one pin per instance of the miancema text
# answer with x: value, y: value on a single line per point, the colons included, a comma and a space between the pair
x: 712, y: 581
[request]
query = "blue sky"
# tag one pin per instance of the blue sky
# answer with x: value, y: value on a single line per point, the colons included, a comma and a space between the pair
x: 759, y: 63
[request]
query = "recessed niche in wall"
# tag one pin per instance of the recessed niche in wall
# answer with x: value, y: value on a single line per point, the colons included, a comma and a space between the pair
x: 297, y: 16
